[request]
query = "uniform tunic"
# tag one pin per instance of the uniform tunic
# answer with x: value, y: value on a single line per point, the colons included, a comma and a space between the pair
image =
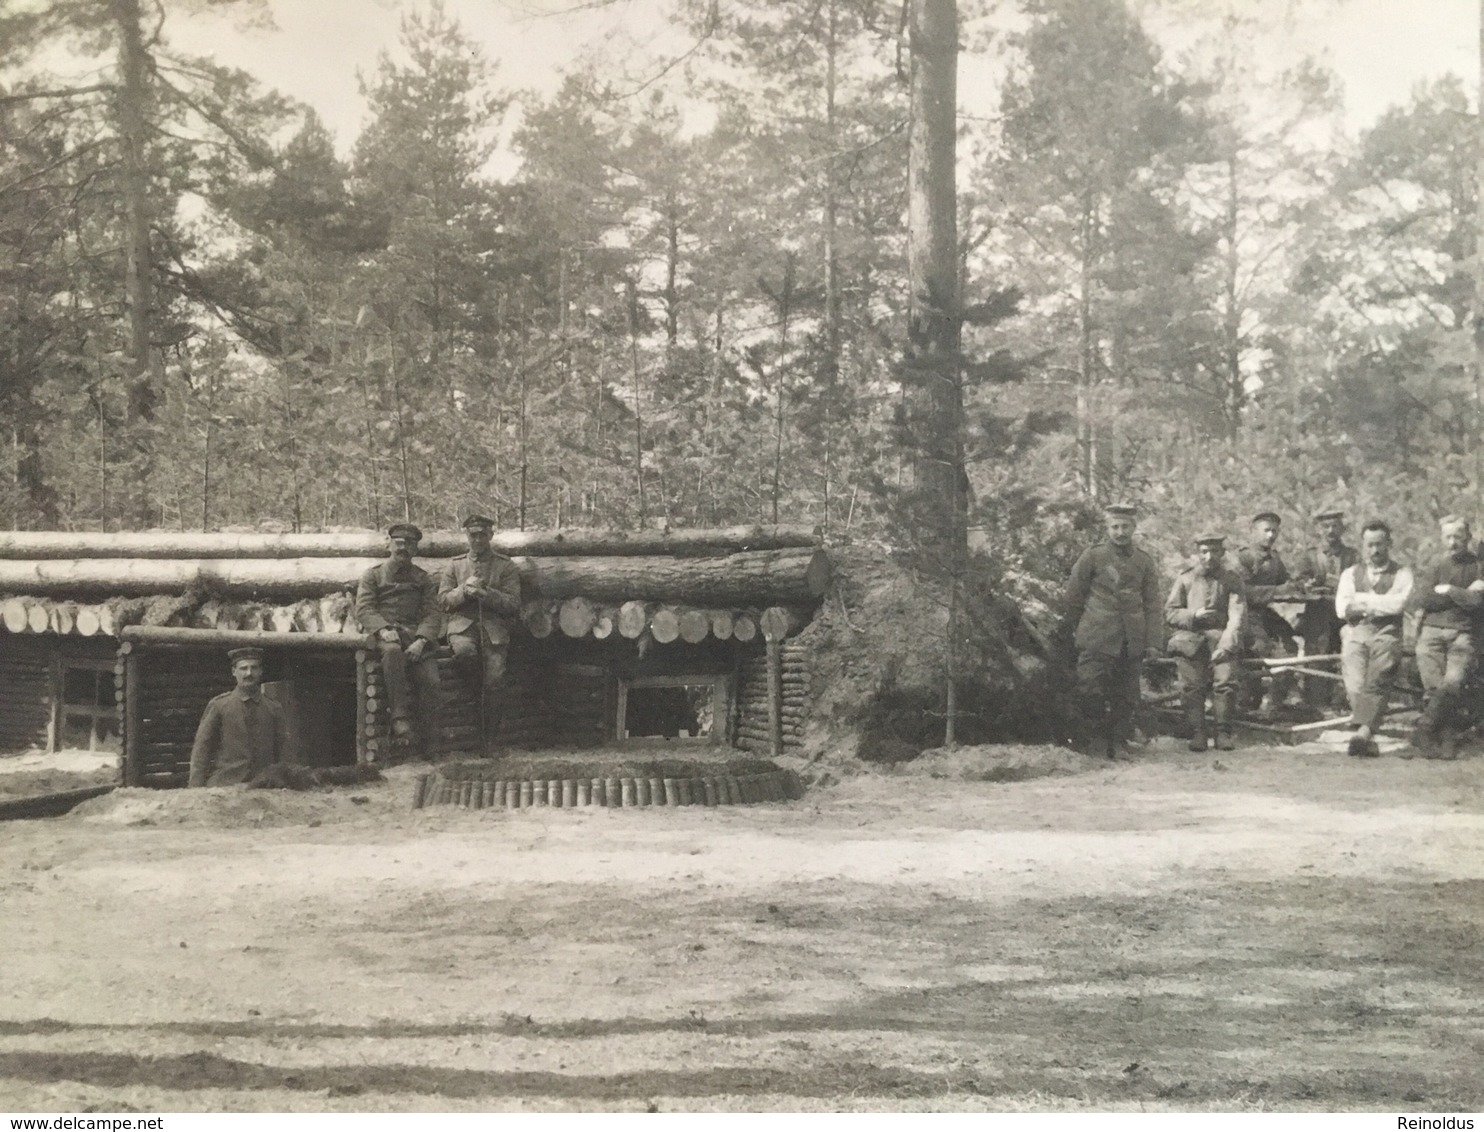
x: 1447, y: 641
x: 239, y: 735
x: 391, y: 595
x: 1113, y: 601
x: 501, y: 580
x: 1207, y: 612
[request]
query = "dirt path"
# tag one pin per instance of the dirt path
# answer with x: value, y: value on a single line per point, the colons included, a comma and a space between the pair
x: 1267, y: 929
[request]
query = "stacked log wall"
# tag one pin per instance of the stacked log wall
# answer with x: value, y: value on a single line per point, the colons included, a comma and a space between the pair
x: 172, y: 688
x: 26, y: 691
x: 752, y: 726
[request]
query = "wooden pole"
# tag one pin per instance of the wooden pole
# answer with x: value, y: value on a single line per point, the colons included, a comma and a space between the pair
x: 775, y: 697
x: 133, y: 744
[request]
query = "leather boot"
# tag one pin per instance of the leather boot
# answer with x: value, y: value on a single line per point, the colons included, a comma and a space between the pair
x: 1221, y: 710
x: 1195, y: 720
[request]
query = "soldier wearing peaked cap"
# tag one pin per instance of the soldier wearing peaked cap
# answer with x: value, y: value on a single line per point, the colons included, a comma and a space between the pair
x: 1112, y: 616
x: 1206, y: 608
x: 1318, y: 572
x: 241, y: 731
x: 1268, y: 632
x: 397, y: 602
x: 480, y: 593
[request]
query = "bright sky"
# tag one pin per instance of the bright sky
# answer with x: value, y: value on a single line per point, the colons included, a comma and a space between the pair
x: 1380, y: 48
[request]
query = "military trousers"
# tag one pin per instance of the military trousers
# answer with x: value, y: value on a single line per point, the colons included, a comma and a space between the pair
x: 1369, y: 656
x: 413, y: 690
x: 1445, y: 660
x: 482, y: 666
x: 1108, y: 694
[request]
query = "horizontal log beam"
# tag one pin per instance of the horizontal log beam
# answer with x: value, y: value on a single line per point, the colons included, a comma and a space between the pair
x: 147, y: 635
x: 749, y: 578
x: 33, y: 545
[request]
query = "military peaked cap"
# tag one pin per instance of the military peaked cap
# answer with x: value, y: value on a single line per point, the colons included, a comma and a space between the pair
x: 1267, y: 517
x: 479, y: 522
x: 248, y: 653
x: 1128, y: 510
x: 404, y: 530
x: 1211, y: 540
x: 1332, y: 513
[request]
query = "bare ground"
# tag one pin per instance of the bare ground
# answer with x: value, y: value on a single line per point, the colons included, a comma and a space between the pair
x: 1268, y: 929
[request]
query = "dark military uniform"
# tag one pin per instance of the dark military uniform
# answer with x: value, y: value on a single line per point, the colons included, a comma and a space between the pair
x: 239, y: 735
x: 477, y: 629
x: 404, y: 597
x: 1113, y: 605
x: 1320, y: 569
x: 1447, y: 642
x: 1268, y: 632
x: 1207, y: 612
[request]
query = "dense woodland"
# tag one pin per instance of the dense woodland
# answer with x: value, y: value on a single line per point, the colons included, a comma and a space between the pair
x: 1181, y: 282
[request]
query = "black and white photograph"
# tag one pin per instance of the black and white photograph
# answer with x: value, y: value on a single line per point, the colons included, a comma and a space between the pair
x: 741, y: 556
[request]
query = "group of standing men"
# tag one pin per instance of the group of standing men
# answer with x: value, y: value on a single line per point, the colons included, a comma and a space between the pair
x: 1354, y: 604
x: 408, y: 611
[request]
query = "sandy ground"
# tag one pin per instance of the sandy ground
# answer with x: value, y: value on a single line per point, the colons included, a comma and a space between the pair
x: 1266, y: 929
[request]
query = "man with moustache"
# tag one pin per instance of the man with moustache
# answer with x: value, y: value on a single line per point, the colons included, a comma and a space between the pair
x: 397, y: 602
x: 1370, y: 599
x: 241, y: 732
x: 1207, y: 608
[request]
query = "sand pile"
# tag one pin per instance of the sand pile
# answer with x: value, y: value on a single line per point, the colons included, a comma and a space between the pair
x: 236, y: 807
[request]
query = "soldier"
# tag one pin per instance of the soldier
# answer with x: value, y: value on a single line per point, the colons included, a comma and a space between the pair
x: 1268, y: 633
x: 242, y: 732
x: 1370, y: 599
x: 1113, y: 618
x: 478, y: 592
x: 1450, y: 598
x: 1207, y: 608
x: 1319, y: 571
x: 398, y: 602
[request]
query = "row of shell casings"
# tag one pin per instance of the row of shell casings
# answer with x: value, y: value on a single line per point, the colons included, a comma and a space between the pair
x: 569, y: 793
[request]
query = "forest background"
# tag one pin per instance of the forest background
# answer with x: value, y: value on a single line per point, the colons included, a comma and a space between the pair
x: 674, y: 290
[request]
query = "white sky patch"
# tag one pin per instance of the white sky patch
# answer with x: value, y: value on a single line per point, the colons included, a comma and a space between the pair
x: 1380, y: 48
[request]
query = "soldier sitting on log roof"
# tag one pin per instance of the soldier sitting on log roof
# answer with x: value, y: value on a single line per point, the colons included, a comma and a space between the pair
x: 242, y: 732
x: 479, y: 591
x: 398, y: 602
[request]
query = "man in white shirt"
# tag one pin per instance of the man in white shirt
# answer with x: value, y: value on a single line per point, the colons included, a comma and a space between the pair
x: 1370, y: 600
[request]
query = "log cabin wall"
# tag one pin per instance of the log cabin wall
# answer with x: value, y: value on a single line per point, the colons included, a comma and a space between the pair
x: 27, y: 677
x: 753, y: 718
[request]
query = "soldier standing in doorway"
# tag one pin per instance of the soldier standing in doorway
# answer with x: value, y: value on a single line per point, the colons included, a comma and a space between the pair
x: 242, y: 732
x: 479, y: 592
x: 1113, y: 619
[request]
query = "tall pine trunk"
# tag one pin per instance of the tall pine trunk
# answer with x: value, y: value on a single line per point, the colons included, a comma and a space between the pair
x: 933, y: 321
x: 132, y: 100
